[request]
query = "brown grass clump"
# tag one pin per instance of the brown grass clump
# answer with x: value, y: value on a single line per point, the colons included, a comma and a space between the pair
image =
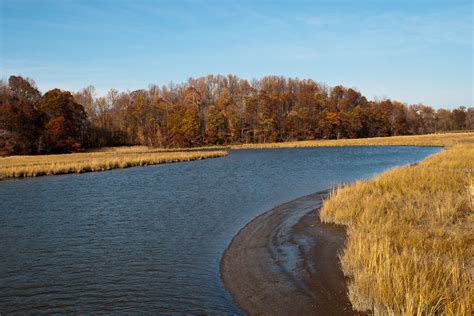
x: 32, y: 166
x: 445, y: 139
x: 411, y: 235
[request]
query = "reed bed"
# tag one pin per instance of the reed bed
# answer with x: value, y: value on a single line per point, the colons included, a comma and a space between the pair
x: 442, y: 140
x: 411, y: 234
x: 32, y: 166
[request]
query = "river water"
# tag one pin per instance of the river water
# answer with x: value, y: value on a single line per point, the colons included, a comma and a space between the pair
x: 150, y: 239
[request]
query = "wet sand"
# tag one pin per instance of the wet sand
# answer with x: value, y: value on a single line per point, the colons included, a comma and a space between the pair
x: 285, y: 262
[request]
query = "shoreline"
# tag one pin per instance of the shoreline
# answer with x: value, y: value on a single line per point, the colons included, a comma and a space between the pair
x: 286, y: 262
x: 16, y: 167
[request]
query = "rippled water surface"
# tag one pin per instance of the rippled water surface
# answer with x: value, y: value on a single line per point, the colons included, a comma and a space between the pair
x: 150, y: 239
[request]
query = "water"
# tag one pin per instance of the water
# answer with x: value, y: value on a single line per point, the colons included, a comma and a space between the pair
x: 150, y: 239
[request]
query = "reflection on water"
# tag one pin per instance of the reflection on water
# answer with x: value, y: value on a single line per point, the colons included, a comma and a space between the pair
x: 150, y: 239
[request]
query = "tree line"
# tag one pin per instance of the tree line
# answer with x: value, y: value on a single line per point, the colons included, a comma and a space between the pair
x: 211, y: 110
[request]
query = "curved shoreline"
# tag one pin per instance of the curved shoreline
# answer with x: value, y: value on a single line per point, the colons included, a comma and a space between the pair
x: 13, y: 167
x: 285, y: 262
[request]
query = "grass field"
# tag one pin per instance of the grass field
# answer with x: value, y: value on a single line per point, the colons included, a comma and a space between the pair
x: 31, y: 166
x: 411, y: 232
x: 445, y: 139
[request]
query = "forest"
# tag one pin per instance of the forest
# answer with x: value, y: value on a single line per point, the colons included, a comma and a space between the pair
x: 211, y: 110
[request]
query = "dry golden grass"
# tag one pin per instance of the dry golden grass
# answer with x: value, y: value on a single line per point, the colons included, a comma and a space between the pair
x: 445, y: 139
x: 411, y: 234
x: 31, y: 166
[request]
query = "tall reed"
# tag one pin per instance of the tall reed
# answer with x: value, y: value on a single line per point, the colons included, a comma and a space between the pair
x: 410, y: 235
x: 444, y: 139
x: 32, y: 166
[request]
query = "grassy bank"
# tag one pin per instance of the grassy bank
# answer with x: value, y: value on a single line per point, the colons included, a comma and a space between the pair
x: 31, y: 166
x: 410, y: 233
x: 446, y: 139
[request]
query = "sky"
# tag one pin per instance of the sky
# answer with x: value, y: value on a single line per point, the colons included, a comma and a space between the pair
x: 416, y: 51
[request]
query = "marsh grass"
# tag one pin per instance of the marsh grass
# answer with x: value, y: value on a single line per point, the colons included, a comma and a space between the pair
x: 32, y: 166
x: 410, y: 234
x: 442, y: 140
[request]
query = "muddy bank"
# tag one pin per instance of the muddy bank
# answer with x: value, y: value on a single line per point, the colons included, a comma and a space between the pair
x: 285, y: 262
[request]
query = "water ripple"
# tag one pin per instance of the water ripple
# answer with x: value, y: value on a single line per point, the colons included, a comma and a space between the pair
x: 149, y: 240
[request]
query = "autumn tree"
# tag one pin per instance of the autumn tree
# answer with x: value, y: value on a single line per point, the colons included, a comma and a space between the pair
x: 24, y: 89
x: 470, y: 119
x: 210, y: 110
x: 20, y: 122
x: 459, y: 118
x: 64, y: 122
x: 444, y: 120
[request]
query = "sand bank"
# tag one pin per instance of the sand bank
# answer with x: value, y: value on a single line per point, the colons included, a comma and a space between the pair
x: 285, y: 262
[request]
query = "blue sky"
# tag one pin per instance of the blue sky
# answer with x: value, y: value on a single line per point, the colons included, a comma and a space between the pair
x: 412, y: 51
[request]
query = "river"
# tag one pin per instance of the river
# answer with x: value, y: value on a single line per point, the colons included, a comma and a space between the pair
x: 150, y: 239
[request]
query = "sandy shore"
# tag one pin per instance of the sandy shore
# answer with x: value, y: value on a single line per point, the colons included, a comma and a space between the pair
x: 285, y: 262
